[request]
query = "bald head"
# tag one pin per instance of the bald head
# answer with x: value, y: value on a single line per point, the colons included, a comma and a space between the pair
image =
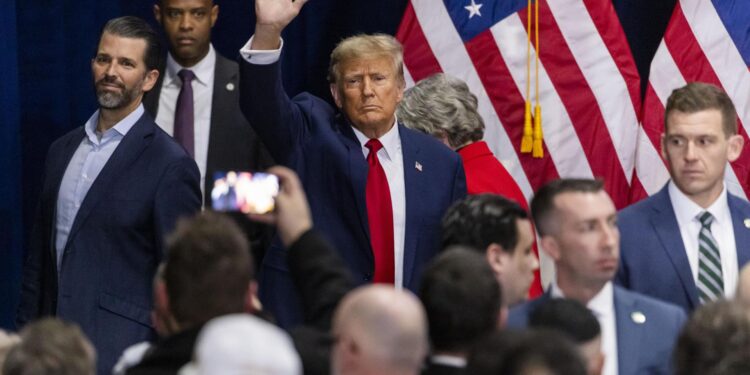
x: 379, y: 330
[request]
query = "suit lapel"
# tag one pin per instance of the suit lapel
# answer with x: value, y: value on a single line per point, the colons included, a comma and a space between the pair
x: 357, y: 174
x: 131, y: 146
x: 665, y: 224
x: 414, y: 182
x: 629, y: 331
x: 224, y: 78
x: 740, y: 215
x: 57, y: 171
x: 60, y: 164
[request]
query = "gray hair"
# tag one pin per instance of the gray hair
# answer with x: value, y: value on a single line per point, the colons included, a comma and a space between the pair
x: 442, y: 106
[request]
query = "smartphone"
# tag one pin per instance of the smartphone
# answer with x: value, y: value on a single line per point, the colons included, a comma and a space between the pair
x: 243, y: 191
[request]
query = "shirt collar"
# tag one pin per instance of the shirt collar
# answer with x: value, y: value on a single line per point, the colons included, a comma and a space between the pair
x: 121, y: 128
x: 687, y: 211
x: 202, y: 70
x: 601, y: 304
x: 390, y: 140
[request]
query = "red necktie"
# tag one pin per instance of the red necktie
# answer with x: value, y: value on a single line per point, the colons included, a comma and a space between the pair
x: 379, y: 215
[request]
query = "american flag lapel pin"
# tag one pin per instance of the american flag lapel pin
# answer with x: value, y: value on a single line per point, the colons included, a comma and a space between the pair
x: 418, y: 166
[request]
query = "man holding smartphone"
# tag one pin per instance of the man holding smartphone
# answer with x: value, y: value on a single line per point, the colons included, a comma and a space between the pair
x: 377, y: 189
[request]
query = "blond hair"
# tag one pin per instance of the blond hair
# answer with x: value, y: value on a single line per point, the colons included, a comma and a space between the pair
x: 366, y: 46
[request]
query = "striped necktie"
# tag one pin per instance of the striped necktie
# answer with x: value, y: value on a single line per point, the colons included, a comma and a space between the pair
x: 710, y: 281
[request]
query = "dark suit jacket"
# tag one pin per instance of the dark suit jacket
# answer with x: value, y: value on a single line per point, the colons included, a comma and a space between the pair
x: 232, y: 144
x: 306, y: 134
x: 642, y: 348
x: 653, y: 258
x: 116, y: 241
x: 322, y: 281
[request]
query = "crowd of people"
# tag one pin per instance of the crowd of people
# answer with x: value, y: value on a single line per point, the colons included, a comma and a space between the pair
x: 397, y: 244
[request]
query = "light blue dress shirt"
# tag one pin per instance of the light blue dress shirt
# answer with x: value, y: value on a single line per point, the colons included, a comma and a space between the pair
x: 88, y: 161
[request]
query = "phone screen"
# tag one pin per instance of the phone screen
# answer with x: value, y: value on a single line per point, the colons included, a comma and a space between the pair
x: 247, y: 192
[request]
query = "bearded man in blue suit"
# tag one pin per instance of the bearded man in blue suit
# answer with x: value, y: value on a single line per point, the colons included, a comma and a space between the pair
x: 112, y: 190
x: 686, y: 243
x: 577, y: 222
x: 381, y: 209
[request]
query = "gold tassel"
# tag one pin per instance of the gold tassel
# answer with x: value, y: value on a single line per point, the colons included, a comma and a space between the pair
x: 527, y: 130
x: 538, y: 150
x: 538, y: 134
x: 527, y: 139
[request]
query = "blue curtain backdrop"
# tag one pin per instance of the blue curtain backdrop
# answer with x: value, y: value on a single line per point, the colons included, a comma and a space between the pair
x: 47, y: 90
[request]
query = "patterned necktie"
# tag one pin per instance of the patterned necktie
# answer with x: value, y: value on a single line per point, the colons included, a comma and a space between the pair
x: 710, y: 281
x: 379, y: 215
x: 183, y: 114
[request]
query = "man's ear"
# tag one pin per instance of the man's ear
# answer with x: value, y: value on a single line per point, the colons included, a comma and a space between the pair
x: 551, y: 247
x: 336, y: 94
x: 497, y: 257
x: 157, y: 13
x: 214, y: 14
x: 734, y: 147
x: 150, y: 81
x: 252, y: 303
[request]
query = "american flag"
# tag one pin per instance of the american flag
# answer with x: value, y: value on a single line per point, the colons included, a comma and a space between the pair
x: 588, y: 83
x: 596, y: 124
x: 706, y: 41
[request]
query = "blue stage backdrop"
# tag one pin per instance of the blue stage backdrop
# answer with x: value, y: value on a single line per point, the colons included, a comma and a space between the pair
x: 47, y: 89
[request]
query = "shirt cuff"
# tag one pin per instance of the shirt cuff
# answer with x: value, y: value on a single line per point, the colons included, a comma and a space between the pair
x: 260, y: 57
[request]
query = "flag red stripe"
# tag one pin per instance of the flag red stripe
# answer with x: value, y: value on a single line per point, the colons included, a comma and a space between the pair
x: 653, y: 119
x: 509, y: 105
x: 418, y: 55
x: 581, y: 105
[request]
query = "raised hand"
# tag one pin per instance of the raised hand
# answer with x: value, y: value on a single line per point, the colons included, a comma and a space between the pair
x: 272, y: 16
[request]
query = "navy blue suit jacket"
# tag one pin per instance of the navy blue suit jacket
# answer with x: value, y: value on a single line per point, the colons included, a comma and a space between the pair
x: 653, y: 259
x: 306, y: 134
x: 642, y: 348
x: 116, y: 242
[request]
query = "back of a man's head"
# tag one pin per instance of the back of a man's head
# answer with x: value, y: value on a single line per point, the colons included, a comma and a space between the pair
x: 462, y: 299
x: 480, y: 220
x: 208, y: 269
x: 51, y: 347
x: 379, y: 330
x: 577, y: 322
x: 716, y: 334
x: 525, y: 353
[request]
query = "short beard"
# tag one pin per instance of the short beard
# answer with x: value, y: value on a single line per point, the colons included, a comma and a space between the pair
x: 114, y: 100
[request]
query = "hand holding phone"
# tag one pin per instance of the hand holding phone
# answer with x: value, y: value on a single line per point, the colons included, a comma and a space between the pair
x: 247, y: 192
x: 292, y: 215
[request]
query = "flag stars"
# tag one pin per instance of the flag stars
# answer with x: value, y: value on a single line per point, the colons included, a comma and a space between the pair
x: 473, y: 9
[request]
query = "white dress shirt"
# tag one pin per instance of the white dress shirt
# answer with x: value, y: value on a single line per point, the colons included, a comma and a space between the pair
x: 687, y: 212
x: 390, y: 157
x: 203, y: 89
x: 392, y: 160
x: 84, y: 167
x: 603, y: 307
